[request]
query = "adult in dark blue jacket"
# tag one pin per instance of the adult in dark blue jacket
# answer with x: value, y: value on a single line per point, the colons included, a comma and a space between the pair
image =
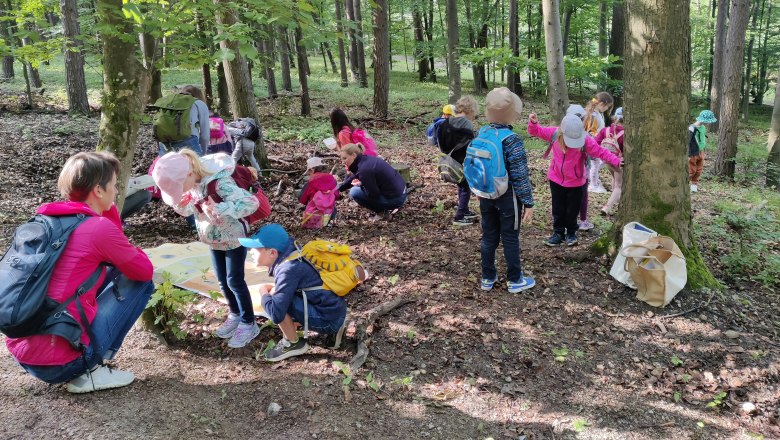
x: 284, y: 301
x: 374, y: 184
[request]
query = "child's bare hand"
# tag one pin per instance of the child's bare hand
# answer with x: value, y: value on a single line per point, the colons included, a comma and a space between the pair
x: 528, y: 213
x: 356, y: 182
x: 209, y: 208
x: 533, y: 118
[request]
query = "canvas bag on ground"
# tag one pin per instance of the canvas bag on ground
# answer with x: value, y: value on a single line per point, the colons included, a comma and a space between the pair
x: 633, y: 232
x: 657, y: 267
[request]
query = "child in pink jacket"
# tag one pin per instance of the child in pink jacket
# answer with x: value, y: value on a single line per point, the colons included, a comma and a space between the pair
x: 570, y: 144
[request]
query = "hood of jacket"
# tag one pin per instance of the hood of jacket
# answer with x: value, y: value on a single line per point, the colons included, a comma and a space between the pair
x: 220, y: 165
x: 65, y: 208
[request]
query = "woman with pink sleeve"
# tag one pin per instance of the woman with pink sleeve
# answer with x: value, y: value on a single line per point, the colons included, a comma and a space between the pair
x: 570, y: 145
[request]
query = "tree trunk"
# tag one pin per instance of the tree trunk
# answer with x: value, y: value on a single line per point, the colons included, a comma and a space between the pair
x: 302, y: 77
x: 513, y: 71
x: 35, y: 77
x: 428, y: 26
x: 342, y: 56
x: 330, y: 57
x: 716, y: 89
x: 149, y: 50
x: 773, y: 144
x: 419, y: 42
x: 482, y: 42
x: 74, y: 59
x: 655, y: 182
x: 557, y: 92
x: 208, y: 87
x: 763, y: 80
x: 603, y: 39
x: 749, y: 66
x: 239, y: 81
x: 732, y: 79
x: 453, y: 56
x: 354, y: 69
x: 124, y: 91
x: 473, y: 44
x: 708, y: 85
x: 222, y: 92
x: 6, y: 35
x: 361, y: 52
x: 616, y: 38
x: 381, y: 58
x: 567, y: 28
x: 284, y: 57
x: 267, y: 45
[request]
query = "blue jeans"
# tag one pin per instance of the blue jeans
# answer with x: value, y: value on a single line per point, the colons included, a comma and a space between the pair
x: 464, y: 193
x: 192, y: 142
x: 316, y: 321
x: 117, y: 310
x: 378, y: 204
x: 498, y: 225
x: 229, y: 269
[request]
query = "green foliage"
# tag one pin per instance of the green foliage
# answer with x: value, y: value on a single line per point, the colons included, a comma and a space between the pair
x: 345, y: 370
x: 718, y: 400
x: 166, y: 307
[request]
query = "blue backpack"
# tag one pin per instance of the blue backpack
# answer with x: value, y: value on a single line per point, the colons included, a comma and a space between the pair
x: 432, y: 131
x: 484, y: 167
x: 26, y: 268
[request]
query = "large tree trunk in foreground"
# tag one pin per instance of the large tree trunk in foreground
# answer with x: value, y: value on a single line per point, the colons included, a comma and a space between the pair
x: 732, y: 80
x: 557, y: 92
x: 124, y: 91
x: 381, y: 58
x: 74, y: 59
x: 716, y: 89
x: 655, y: 183
x: 773, y: 161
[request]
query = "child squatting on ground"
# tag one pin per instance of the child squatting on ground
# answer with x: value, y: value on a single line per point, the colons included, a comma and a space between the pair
x: 500, y: 217
x: 296, y: 296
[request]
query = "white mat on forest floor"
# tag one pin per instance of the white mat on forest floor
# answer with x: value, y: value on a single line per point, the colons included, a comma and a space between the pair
x: 189, y: 266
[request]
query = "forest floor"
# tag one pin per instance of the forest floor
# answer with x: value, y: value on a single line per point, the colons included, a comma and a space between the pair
x: 577, y: 356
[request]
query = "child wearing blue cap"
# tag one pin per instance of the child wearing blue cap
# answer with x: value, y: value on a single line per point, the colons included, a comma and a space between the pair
x: 296, y: 296
x: 697, y: 142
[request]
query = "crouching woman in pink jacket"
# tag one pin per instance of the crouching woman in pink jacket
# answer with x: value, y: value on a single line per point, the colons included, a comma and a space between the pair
x: 98, y: 258
x: 570, y: 145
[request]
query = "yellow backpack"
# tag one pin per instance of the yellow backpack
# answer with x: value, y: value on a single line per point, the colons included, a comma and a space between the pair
x: 340, y: 273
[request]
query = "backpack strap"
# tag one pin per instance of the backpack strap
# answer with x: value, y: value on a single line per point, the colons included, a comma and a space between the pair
x: 550, y: 145
x: 58, y: 329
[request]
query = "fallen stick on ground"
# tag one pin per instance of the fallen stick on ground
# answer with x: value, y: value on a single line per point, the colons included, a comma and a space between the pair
x: 674, y: 315
x: 362, y: 329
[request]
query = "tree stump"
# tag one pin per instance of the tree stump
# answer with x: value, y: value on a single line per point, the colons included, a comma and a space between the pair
x: 404, y: 170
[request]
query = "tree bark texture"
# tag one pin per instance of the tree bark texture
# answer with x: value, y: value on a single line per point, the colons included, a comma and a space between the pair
x: 603, y: 40
x: 284, y: 57
x: 557, y: 92
x: 453, y: 56
x: 340, y: 36
x: 149, y: 49
x: 419, y: 43
x: 616, y: 40
x: 74, y: 59
x: 302, y: 77
x: 124, y: 90
x: 746, y: 80
x: 349, y: 11
x: 208, y: 87
x: 222, y: 92
x: 655, y: 182
x: 361, y: 51
x: 267, y: 45
x: 773, y: 144
x: 721, y: 30
x: 239, y: 82
x: 567, y: 28
x: 381, y: 58
x: 732, y: 80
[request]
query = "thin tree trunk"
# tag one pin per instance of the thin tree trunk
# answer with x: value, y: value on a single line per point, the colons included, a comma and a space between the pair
x: 35, y: 77
x: 27, y: 85
x: 603, y: 38
x: 381, y: 58
x: 444, y: 31
x: 558, y: 94
x: 342, y: 56
x: 655, y: 182
x: 763, y: 80
x: 267, y: 45
x: 453, y: 56
x: 616, y: 39
x: 708, y: 86
x: 567, y: 28
x: 222, y: 92
x: 513, y: 70
x: 124, y: 91
x: 749, y: 66
x: 361, y: 52
x: 721, y: 30
x: 472, y: 44
x: 6, y: 33
x: 74, y: 59
x: 773, y: 144
x: 732, y: 79
x: 428, y: 26
x: 419, y: 53
x: 354, y: 69
x: 208, y: 87
x: 330, y: 57
x: 284, y: 57
x: 149, y: 48
x: 302, y: 77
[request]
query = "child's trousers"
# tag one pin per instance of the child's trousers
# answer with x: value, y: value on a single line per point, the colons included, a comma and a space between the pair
x: 566, y: 203
x: 499, y: 217
x: 695, y: 167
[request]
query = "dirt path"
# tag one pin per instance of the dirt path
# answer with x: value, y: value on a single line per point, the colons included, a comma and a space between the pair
x: 455, y: 363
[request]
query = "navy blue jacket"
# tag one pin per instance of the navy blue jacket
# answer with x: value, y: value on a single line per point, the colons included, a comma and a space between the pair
x: 292, y: 276
x: 377, y: 177
x: 517, y: 167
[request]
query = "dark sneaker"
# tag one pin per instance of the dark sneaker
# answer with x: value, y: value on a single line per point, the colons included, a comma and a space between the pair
x: 524, y: 284
x: 470, y: 216
x: 554, y: 240
x: 285, y: 349
x: 334, y: 341
x: 488, y: 284
x: 462, y: 222
x: 571, y: 240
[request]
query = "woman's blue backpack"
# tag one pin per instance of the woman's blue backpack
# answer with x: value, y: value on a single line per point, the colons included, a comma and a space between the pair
x: 484, y: 167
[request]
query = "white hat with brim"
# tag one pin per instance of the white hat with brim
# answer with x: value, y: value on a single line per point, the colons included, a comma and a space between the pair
x: 314, y: 162
x: 169, y: 174
x: 573, y: 131
x: 576, y: 109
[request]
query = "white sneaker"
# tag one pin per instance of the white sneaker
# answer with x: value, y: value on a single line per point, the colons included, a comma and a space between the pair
x: 599, y: 189
x: 228, y: 328
x: 244, y: 335
x: 102, y: 378
x: 694, y: 188
x: 586, y: 225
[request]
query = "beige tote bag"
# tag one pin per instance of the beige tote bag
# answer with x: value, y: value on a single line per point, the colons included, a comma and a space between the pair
x: 657, y: 267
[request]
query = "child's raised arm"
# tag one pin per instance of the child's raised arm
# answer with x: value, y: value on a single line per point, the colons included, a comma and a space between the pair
x: 537, y: 131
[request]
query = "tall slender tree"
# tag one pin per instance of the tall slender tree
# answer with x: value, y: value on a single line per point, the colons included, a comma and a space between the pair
x: 349, y: 11
x: 513, y: 73
x: 303, y: 78
x: 419, y: 43
x: 361, y: 51
x: 732, y: 80
x: 721, y: 30
x: 616, y: 38
x: 557, y: 90
x: 381, y: 58
x: 239, y: 81
x: 340, y: 36
x: 746, y: 81
x: 74, y: 59
x: 284, y: 57
x: 603, y: 39
x: 267, y: 46
x: 453, y: 55
x: 655, y: 182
